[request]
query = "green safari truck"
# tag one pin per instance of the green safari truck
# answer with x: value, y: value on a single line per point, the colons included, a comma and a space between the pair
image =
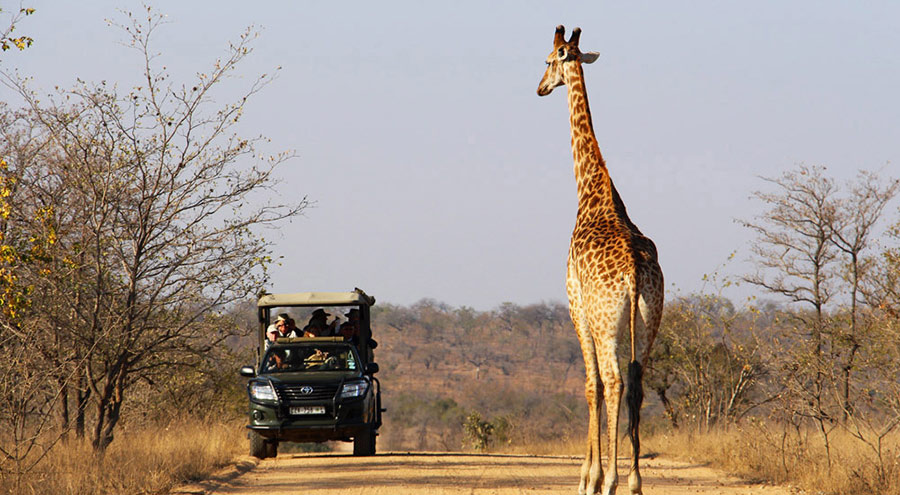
x: 314, y: 389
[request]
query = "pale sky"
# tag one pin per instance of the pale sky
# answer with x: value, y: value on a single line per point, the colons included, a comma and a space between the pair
x: 437, y: 171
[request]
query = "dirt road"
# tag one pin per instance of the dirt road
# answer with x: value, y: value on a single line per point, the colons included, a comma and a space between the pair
x: 452, y: 473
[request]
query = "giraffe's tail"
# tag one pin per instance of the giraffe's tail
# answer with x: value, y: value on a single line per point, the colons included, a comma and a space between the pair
x: 635, y: 294
x: 634, y: 394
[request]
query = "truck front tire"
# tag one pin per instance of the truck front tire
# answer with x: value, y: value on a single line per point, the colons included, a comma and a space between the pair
x: 272, y: 448
x: 364, y: 443
x: 257, y: 445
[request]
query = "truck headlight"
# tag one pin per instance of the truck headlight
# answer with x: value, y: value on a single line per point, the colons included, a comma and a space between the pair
x: 262, y: 391
x: 354, y: 389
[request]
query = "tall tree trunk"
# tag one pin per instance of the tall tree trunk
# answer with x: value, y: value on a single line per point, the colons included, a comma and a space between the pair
x: 64, y: 410
x: 82, y: 397
x: 108, y: 409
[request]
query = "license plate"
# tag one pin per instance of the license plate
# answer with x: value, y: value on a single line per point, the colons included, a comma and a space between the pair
x: 301, y: 410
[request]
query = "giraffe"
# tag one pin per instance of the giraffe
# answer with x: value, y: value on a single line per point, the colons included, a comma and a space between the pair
x: 614, y: 282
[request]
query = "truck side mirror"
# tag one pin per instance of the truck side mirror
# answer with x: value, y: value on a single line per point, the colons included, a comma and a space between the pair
x: 371, y: 368
x: 248, y: 371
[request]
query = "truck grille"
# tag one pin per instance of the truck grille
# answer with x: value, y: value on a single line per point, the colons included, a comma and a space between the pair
x: 299, y: 392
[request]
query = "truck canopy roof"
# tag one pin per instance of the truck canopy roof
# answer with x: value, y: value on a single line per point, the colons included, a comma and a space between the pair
x: 315, y: 299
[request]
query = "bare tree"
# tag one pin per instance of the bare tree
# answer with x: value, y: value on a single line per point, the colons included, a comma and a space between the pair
x: 158, y: 221
x: 852, y: 233
x: 796, y: 257
x: 812, y: 244
x: 794, y: 251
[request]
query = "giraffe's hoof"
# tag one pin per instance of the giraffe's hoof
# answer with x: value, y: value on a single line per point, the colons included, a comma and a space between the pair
x: 609, y: 486
x: 634, y: 483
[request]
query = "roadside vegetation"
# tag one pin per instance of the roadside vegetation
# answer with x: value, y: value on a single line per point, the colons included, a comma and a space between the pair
x: 130, y: 222
x: 130, y: 261
x: 150, y: 459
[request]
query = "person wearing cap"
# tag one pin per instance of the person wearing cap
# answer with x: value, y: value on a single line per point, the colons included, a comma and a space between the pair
x: 283, y: 327
x: 318, y: 325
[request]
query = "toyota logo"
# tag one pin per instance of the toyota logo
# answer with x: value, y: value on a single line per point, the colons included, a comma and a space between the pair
x: 306, y: 390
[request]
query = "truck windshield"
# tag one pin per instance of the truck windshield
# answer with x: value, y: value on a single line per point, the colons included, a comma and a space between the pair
x: 309, y: 357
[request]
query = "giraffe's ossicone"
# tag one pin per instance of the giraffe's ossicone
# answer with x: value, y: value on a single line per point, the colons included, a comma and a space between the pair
x: 614, y: 282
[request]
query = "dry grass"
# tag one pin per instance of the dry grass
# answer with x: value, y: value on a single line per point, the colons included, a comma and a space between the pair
x: 765, y: 453
x: 137, y: 462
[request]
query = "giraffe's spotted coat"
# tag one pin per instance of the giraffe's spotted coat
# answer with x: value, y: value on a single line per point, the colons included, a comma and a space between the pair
x: 611, y: 267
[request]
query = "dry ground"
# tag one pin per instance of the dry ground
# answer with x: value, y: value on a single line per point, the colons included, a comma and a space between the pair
x: 456, y: 473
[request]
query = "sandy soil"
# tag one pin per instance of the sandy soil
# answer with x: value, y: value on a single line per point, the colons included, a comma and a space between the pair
x: 452, y: 473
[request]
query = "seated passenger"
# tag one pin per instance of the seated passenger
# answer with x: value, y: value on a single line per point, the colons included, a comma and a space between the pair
x: 350, y: 329
x: 318, y: 325
x: 283, y: 327
x: 271, y: 335
x: 277, y: 361
x: 290, y: 328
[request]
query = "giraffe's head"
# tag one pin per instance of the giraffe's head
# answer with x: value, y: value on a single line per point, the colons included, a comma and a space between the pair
x: 564, y: 52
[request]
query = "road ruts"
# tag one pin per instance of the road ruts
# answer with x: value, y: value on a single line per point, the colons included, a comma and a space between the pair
x: 462, y: 474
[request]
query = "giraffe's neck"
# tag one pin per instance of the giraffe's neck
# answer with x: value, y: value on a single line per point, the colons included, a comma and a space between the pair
x: 596, y: 192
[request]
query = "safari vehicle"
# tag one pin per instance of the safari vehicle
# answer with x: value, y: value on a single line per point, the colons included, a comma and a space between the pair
x: 313, y: 389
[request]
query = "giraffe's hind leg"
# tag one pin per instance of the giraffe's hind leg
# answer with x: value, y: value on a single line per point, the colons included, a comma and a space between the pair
x: 646, y: 326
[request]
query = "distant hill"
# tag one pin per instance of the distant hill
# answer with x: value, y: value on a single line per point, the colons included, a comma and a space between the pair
x: 517, y: 365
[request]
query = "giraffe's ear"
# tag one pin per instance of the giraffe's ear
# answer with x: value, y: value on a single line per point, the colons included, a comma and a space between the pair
x: 589, y: 57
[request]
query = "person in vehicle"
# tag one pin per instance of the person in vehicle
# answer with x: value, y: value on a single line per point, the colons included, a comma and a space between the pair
x: 318, y: 325
x: 278, y: 360
x: 284, y: 326
x: 350, y: 328
x: 350, y: 331
x: 271, y: 335
x: 278, y: 328
x: 290, y: 328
